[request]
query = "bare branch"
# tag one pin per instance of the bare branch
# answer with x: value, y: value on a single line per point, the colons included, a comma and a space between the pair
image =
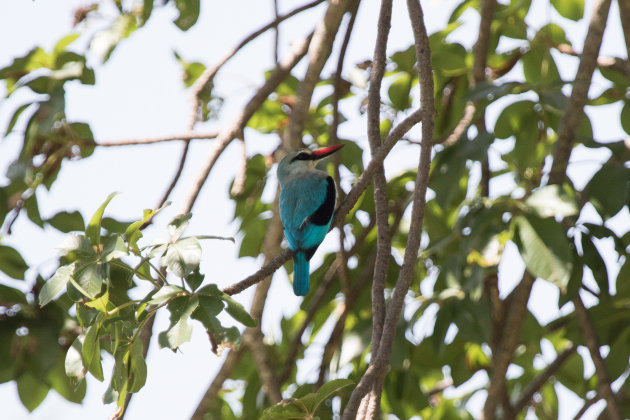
x: 159, y: 139
x: 318, y: 54
x: 210, y: 396
x: 624, y: 15
x: 378, y: 363
x: 208, y: 75
x: 241, y: 174
x: 227, y: 134
x: 509, y: 339
x: 588, y: 404
x: 574, y: 113
x: 178, y: 174
x: 535, y: 385
x: 601, y: 371
x: 265, y: 271
x: 253, y: 341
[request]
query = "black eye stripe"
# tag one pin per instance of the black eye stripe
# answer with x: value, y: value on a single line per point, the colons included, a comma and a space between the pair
x: 301, y: 156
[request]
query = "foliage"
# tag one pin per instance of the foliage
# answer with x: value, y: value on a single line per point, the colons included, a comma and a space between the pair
x: 565, y: 235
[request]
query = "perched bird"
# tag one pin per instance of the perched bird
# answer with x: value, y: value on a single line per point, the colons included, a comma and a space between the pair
x: 307, y: 202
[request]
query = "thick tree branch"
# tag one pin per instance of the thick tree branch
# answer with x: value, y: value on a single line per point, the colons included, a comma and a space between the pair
x: 601, y: 371
x: 318, y: 54
x: 383, y: 242
x: 227, y: 134
x: 573, y: 115
x: 624, y: 15
x: 509, y: 339
x: 379, y: 362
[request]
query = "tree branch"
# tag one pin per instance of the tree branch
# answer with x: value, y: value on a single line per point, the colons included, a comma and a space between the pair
x: 535, y: 385
x: 227, y: 134
x: 509, y: 339
x: 379, y: 362
x: 318, y: 54
x: 264, y: 272
x: 601, y: 371
x: 159, y: 139
x: 624, y: 15
x: 383, y: 241
x: 208, y: 75
x: 574, y: 113
x: 210, y: 396
x: 253, y: 341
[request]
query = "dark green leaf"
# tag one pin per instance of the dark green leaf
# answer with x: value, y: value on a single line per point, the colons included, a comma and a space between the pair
x: 12, y: 263
x: 596, y: 263
x: 545, y: 249
x: 67, y: 222
x: 180, y: 330
x: 165, y: 293
x: 89, y: 278
x: 137, y: 367
x: 194, y: 279
x: 399, y: 91
x: 312, y: 401
x: 608, y: 189
x: 91, y: 351
x: 238, y: 312
x: 10, y: 296
x: 625, y: 117
x: 114, y: 248
x: 188, y: 13
x: 31, y: 390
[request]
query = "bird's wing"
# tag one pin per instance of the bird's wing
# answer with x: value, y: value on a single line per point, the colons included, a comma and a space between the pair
x: 304, y: 200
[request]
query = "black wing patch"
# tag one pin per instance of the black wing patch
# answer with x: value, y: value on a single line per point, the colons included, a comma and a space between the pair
x: 324, y: 212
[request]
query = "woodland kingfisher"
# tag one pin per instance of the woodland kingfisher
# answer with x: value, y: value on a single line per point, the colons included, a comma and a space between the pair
x: 307, y: 202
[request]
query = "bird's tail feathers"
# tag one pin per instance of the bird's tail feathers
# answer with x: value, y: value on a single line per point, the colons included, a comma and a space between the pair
x: 300, y: 274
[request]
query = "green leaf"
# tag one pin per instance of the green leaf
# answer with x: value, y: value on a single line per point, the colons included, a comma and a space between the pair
x: 74, y: 360
x: 91, y: 351
x: 12, y: 263
x: 31, y: 390
x: 15, y: 117
x: 165, y: 293
x: 106, y: 41
x: 133, y: 234
x: 545, y: 249
x: 238, y: 312
x: 188, y: 13
x: 101, y: 303
x: 177, y: 226
x: 180, y: 331
x: 625, y: 117
x: 596, y: 263
x: 67, y: 222
x: 10, y: 296
x: 194, y: 279
x: 399, y: 91
x: 312, y: 401
x: 551, y: 201
x: 56, y: 284
x: 570, y: 9
x: 67, y: 387
x: 93, y: 229
x: 285, y: 410
x: 608, y: 189
x: 137, y: 367
x: 115, y: 248
x: 182, y: 257
x: 89, y: 278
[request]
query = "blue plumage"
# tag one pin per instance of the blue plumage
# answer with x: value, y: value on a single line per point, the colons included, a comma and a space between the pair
x: 307, y: 201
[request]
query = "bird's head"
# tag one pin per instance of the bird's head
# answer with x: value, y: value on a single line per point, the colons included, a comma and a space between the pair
x: 303, y: 160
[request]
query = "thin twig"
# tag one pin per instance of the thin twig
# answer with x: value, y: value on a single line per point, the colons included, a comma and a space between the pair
x: 535, y: 385
x: 624, y: 15
x: 378, y: 363
x: 178, y: 174
x: 588, y: 404
x: 574, y: 113
x: 241, y: 174
x: 601, y: 371
x: 227, y: 134
x: 265, y: 271
x: 208, y: 75
x: 159, y: 139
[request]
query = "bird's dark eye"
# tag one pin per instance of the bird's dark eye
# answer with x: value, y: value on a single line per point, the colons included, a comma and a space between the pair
x: 301, y: 156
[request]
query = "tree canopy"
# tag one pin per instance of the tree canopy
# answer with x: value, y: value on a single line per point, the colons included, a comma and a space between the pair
x: 478, y: 168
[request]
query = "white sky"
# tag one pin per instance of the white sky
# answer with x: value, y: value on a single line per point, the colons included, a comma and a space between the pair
x: 139, y: 94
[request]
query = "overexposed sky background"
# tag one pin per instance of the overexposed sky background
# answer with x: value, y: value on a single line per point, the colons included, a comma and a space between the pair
x: 139, y: 93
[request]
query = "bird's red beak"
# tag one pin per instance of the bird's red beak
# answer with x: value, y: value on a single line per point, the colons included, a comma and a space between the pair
x: 325, y: 151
